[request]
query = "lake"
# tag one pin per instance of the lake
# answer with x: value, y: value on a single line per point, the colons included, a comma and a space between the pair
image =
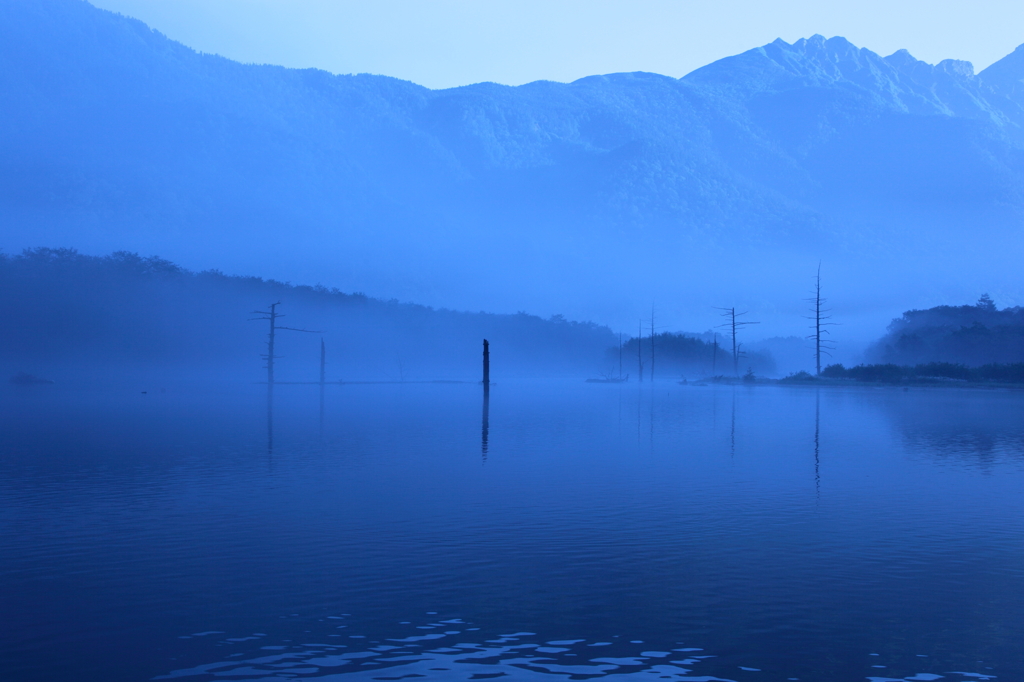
x: 574, y: 531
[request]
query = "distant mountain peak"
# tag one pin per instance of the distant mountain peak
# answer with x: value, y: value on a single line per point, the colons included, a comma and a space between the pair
x: 956, y: 67
x: 779, y: 65
x: 817, y: 40
x: 902, y: 58
x: 899, y: 82
x: 808, y: 62
x: 1006, y: 76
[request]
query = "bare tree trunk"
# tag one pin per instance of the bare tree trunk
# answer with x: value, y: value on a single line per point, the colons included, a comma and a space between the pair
x: 819, y: 317
x: 271, y: 316
x: 735, y: 354
x: 733, y: 326
x: 817, y: 322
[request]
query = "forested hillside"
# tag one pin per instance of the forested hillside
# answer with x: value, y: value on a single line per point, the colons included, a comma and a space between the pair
x: 66, y: 314
x: 971, y: 335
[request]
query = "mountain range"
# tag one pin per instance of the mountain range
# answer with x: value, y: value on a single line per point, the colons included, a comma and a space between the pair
x: 594, y: 198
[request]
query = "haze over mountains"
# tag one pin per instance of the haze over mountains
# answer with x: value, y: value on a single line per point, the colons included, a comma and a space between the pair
x: 592, y: 199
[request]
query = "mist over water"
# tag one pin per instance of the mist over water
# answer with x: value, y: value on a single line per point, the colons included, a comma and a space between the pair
x: 711, y: 532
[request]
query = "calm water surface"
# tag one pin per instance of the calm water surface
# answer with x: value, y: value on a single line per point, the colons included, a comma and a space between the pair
x: 574, y: 531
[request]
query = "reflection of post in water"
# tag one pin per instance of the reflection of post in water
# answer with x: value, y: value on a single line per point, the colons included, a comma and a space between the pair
x: 714, y: 410
x: 639, y: 408
x: 323, y: 363
x: 652, y: 396
x: 321, y: 411
x: 270, y: 419
x: 732, y: 427
x: 817, y: 430
x: 323, y: 380
x: 486, y: 426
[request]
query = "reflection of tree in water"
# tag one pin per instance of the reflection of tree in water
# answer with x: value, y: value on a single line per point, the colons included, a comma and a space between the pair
x: 321, y: 420
x: 817, y: 444
x: 270, y: 419
x: 732, y: 426
x: 977, y: 427
x: 979, y: 447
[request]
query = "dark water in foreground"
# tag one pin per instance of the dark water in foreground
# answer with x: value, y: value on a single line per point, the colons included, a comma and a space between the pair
x: 681, y: 533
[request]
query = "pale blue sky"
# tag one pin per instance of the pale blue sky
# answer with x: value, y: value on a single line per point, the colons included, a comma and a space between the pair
x: 443, y: 43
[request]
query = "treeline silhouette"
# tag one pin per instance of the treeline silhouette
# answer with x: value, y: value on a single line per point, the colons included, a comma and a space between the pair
x: 928, y: 372
x: 971, y: 335
x: 691, y: 355
x: 69, y: 313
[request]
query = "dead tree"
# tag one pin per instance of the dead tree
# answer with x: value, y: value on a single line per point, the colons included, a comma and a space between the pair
x: 734, y: 325
x: 272, y: 316
x: 819, y: 318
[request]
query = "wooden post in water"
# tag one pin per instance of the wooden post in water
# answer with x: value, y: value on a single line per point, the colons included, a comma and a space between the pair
x: 323, y: 380
x: 487, y: 364
x: 486, y: 426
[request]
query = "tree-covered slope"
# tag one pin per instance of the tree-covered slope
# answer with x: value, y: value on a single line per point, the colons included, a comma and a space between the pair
x: 68, y: 314
x: 971, y: 335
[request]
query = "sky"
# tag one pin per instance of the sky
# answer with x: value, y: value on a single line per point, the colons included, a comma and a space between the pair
x: 447, y: 43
